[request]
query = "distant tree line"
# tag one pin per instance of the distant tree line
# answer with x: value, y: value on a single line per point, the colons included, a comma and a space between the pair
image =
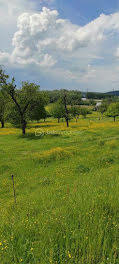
x: 73, y: 97
x: 99, y: 96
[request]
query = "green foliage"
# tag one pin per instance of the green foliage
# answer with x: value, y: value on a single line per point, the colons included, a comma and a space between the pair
x: 4, y: 100
x: 113, y: 110
x: 57, y: 110
x: 14, y: 116
x: 5, y: 106
x: 3, y: 114
x: 27, y: 101
x: 37, y: 109
x: 103, y: 107
x: 84, y: 111
x: 92, y: 102
x: 75, y: 112
x: 3, y: 77
x: 73, y: 97
x: 98, y: 96
x: 85, y: 102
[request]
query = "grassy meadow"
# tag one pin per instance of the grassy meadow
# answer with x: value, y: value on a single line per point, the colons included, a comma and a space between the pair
x: 67, y: 192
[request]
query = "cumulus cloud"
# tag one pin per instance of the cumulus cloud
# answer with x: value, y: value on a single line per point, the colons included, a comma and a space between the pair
x: 46, y: 40
x: 117, y: 53
x: 4, y: 57
x: 42, y: 37
x: 14, y: 8
x: 9, y: 12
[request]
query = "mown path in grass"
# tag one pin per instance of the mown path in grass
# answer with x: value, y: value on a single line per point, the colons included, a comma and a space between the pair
x: 67, y: 185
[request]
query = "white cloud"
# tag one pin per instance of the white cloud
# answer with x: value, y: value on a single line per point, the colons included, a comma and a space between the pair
x: 45, y: 40
x: 44, y: 34
x: 117, y: 53
x: 4, y: 57
x: 9, y: 12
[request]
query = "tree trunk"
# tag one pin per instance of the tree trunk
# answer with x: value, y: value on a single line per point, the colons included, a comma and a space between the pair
x: 114, y: 118
x: 2, y: 124
x: 58, y: 120
x: 66, y: 111
x: 67, y: 122
x: 23, y: 127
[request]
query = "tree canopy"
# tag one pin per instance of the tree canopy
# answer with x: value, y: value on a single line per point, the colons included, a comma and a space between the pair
x: 57, y: 110
x: 113, y: 110
x: 27, y: 102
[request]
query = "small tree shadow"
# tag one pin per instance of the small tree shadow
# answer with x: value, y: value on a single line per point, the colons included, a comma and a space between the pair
x: 31, y: 136
x: 54, y: 135
x: 42, y: 126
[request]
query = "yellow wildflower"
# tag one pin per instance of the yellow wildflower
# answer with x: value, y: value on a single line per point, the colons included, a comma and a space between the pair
x: 69, y: 255
x: 6, y: 247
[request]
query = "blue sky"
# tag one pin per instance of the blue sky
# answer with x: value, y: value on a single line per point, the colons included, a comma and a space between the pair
x: 61, y: 43
x: 83, y: 11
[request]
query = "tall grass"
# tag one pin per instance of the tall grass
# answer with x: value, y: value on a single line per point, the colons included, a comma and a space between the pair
x: 67, y: 188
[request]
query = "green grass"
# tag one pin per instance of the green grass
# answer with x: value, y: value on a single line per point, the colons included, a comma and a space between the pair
x: 67, y: 191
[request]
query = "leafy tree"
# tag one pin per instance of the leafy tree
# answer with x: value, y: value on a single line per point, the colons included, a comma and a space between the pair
x: 4, y: 108
x: 4, y: 100
x: 84, y: 111
x: 38, y: 111
x: 113, y: 110
x: 73, y: 97
x: 44, y: 114
x: 57, y: 110
x: 85, y: 102
x: 66, y: 111
x: 75, y: 112
x: 103, y: 108
x: 3, y: 77
x: 14, y: 116
x: 24, y: 100
x: 92, y: 102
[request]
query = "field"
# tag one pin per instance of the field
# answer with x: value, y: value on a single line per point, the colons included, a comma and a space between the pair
x: 67, y: 193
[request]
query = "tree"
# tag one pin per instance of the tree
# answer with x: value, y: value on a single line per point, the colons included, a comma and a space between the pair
x: 66, y: 111
x: 38, y: 111
x: 75, y: 112
x: 103, y: 108
x: 4, y: 100
x: 3, y: 77
x: 113, y: 110
x: 44, y: 114
x: 4, y: 108
x: 24, y: 101
x: 92, y: 102
x: 84, y: 111
x: 73, y: 97
x: 57, y: 110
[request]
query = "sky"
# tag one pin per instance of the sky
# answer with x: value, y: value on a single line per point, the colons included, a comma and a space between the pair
x: 61, y: 44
